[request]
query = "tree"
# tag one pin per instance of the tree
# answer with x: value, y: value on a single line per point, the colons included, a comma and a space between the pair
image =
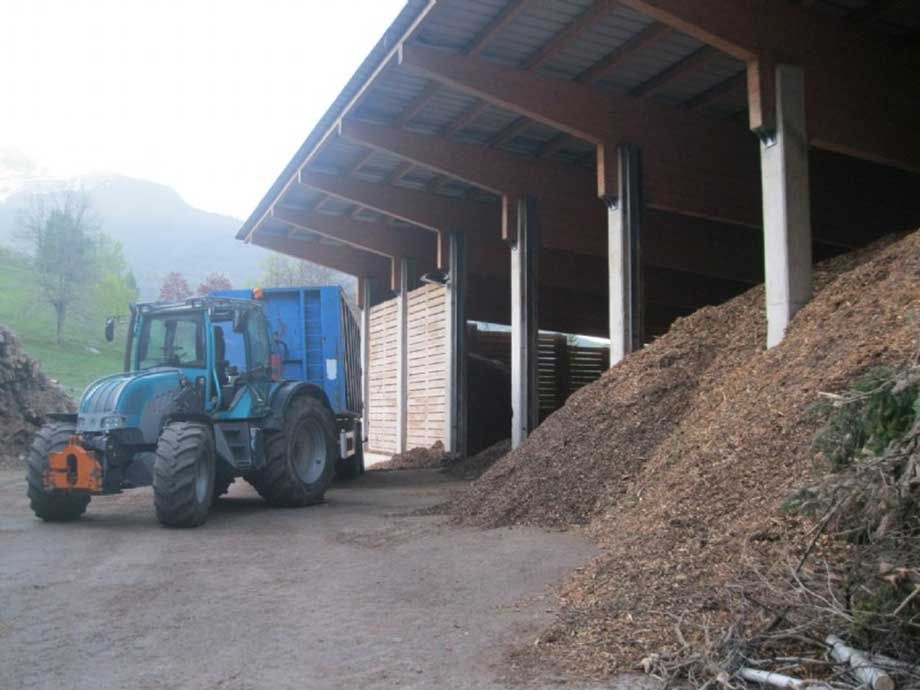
x: 214, y: 282
x: 282, y: 271
x: 116, y: 287
x: 61, y: 231
x: 174, y: 288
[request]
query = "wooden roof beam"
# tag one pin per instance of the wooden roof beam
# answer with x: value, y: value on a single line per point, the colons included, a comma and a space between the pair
x: 569, y: 34
x: 507, y: 15
x: 419, y: 208
x: 692, y: 164
x: 375, y: 237
x: 648, y: 35
x: 340, y: 258
x: 714, y: 93
x: 694, y: 60
x: 861, y: 91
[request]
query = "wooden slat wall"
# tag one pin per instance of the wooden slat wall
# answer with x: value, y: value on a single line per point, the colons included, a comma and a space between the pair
x: 561, y: 368
x: 427, y: 373
x: 382, y: 378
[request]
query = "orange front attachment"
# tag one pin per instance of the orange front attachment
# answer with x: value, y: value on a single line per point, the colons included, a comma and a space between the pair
x: 73, y: 469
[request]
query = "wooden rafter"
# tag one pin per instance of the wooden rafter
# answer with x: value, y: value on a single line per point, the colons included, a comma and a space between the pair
x: 466, y: 119
x: 502, y: 20
x: 713, y: 93
x: 648, y: 35
x: 417, y: 105
x: 565, y: 37
x: 694, y: 60
x: 510, y: 131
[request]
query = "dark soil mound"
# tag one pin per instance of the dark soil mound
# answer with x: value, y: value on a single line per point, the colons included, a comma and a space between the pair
x: 473, y: 467
x: 681, y: 456
x: 26, y: 395
x: 416, y: 459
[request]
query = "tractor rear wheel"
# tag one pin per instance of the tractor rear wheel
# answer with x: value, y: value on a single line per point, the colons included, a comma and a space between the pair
x: 52, y: 506
x: 183, y: 474
x: 299, y: 459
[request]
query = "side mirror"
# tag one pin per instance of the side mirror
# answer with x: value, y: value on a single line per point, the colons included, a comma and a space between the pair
x: 110, y: 329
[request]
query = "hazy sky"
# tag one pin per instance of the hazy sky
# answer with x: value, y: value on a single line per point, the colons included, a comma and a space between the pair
x: 209, y: 97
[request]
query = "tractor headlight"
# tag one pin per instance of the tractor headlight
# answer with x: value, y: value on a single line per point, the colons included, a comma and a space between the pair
x: 113, y: 422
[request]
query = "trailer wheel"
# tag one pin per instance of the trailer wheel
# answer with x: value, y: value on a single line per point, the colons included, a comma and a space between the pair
x: 52, y: 506
x: 183, y: 474
x: 352, y: 467
x: 299, y: 459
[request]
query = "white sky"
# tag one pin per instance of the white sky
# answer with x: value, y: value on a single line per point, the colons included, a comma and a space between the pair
x: 209, y: 97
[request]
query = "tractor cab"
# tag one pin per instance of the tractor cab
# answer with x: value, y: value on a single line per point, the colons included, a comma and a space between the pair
x: 222, y: 345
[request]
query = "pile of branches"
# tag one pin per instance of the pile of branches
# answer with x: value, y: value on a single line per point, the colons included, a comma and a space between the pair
x: 844, y: 611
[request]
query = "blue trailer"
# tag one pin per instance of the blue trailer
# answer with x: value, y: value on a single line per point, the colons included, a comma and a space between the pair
x: 259, y: 384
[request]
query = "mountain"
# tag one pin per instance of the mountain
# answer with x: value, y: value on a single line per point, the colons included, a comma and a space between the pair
x: 158, y: 230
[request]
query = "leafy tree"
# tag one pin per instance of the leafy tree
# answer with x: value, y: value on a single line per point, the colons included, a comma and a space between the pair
x: 174, y: 288
x: 214, y: 281
x: 282, y: 271
x: 61, y: 232
x: 116, y: 287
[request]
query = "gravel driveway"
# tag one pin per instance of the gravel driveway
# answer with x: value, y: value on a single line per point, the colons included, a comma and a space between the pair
x: 351, y: 594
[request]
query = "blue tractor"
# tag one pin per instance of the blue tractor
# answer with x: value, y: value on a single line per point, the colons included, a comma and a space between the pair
x: 263, y: 385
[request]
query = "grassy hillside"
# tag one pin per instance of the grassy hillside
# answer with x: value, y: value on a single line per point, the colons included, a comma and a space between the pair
x: 82, y: 357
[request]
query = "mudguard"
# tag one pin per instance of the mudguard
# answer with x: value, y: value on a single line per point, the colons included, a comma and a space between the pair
x: 281, y: 398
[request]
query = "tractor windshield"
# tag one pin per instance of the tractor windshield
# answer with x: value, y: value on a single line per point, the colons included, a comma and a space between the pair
x: 172, y: 340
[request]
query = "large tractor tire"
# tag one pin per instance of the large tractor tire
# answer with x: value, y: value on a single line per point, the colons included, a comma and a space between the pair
x: 53, y: 506
x: 352, y: 467
x: 183, y: 474
x: 299, y: 459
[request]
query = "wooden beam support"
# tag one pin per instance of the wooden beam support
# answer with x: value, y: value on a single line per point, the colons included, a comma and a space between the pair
x: 419, y: 208
x: 862, y: 96
x: 694, y: 165
x: 375, y: 237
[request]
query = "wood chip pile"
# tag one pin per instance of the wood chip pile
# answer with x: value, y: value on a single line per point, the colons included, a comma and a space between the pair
x: 26, y: 395
x: 678, y: 460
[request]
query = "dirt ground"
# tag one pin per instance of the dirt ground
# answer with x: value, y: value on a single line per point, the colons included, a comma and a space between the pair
x: 355, y: 593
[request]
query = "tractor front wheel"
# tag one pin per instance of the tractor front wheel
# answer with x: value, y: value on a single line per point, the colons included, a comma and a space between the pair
x: 299, y: 459
x: 183, y: 474
x: 52, y: 506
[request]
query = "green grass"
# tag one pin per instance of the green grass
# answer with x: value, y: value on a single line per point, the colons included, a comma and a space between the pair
x: 83, y: 356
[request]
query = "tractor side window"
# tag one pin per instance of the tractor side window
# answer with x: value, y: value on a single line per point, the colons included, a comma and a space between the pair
x: 259, y: 344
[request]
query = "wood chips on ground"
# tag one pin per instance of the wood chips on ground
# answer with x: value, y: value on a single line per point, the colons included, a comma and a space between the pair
x: 677, y: 460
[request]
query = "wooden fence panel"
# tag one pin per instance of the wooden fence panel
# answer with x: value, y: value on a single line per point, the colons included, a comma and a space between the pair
x: 382, y: 378
x: 428, y: 366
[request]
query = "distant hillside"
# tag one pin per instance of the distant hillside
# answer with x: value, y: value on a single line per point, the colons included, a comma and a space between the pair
x: 160, y: 232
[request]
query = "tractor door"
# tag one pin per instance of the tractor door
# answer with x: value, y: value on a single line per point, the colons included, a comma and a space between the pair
x: 242, y: 362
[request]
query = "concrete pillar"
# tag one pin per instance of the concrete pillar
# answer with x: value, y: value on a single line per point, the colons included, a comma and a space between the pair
x: 402, y: 354
x: 456, y: 432
x: 786, y: 205
x: 364, y: 297
x: 525, y: 250
x: 624, y: 220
